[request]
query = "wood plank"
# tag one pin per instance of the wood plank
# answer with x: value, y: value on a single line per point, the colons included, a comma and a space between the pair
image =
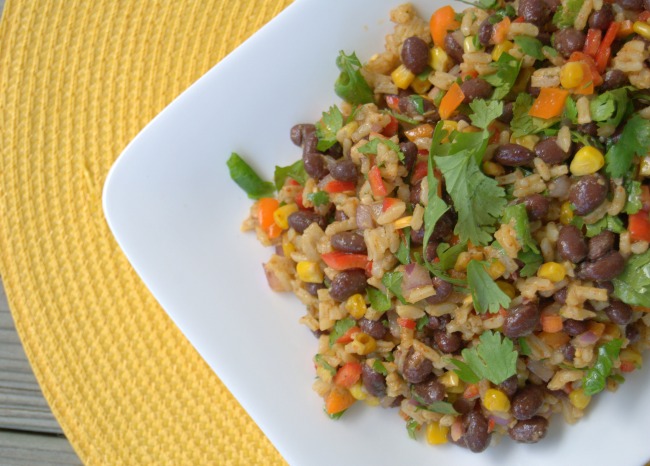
x: 21, y: 449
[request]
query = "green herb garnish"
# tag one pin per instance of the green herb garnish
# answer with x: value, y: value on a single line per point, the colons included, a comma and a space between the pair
x: 530, y: 46
x: 351, y: 86
x: 378, y: 300
x: 486, y: 294
x: 318, y: 198
x: 594, y: 380
x: 371, y: 147
x: 485, y: 112
x: 327, y: 127
x: 632, y: 286
x: 635, y: 140
x: 507, y: 71
x: 494, y: 359
x: 340, y: 327
x: 247, y: 179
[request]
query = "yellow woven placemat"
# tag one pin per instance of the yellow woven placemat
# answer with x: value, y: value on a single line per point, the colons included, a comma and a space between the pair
x: 78, y: 80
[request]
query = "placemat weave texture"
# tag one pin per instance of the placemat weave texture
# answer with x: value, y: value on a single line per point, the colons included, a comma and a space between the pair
x: 78, y: 80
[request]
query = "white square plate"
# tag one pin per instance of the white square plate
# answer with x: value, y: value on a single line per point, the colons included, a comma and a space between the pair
x: 176, y: 214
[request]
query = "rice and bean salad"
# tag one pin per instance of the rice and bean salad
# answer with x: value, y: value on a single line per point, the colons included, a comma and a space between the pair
x: 469, y: 228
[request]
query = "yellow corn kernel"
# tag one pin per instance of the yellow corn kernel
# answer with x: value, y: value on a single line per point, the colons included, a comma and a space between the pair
x: 633, y: 356
x: 528, y: 142
x: 642, y: 28
x: 552, y: 271
x: 356, y: 306
x: 500, y: 48
x: 437, y: 434
x: 449, y: 126
x: 566, y: 213
x: 644, y: 167
x: 361, y: 344
x: 281, y: 215
x: 421, y: 86
x: 587, y: 160
x: 493, y: 169
x: 464, y: 257
x: 451, y: 382
x: 571, y: 75
x: 496, y: 401
x: 288, y: 249
x: 579, y: 398
x: 357, y: 392
x: 372, y: 401
x: 403, y: 222
x: 439, y: 59
x: 309, y: 272
x: 496, y: 269
x: 402, y: 77
x: 468, y: 45
x: 507, y: 288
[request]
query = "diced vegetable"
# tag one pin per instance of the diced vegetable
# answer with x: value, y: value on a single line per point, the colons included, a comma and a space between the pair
x: 639, y: 226
x: 338, y: 400
x: 344, y: 261
x: 549, y: 103
x: 450, y: 102
x: 348, y: 374
x: 592, y: 43
x: 376, y: 182
x: 442, y: 20
x: 266, y: 207
x: 336, y: 186
x: 551, y: 323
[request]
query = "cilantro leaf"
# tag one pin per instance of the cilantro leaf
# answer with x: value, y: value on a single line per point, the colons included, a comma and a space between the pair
x: 371, y: 147
x: 532, y: 261
x: 522, y: 123
x: 530, y: 46
x: 378, y: 300
x: 501, y: 13
x: 485, y: 112
x: 601, y: 108
x: 550, y: 51
x: 351, y: 86
x: 442, y: 407
x: 320, y: 360
x: 566, y: 13
x: 633, y: 203
x: 393, y: 283
x: 632, y: 286
x: 247, y: 179
x: 418, y: 102
x: 493, y: 359
x: 340, y: 327
x: 318, y: 198
x: 412, y: 427
x: 436, y: 207
x: 447, y: 257
x: 422, y: 322
x: 613, y: 224
x: 403, y: 118
x: 524, y: 347
x: 335, y: 416
x: 377, y: 366
x: 403, y: 253
x: 517, y: 216
x: 486, y: 294
x: 327, y: 127
x: 465, y: 372
x: 635, y: 139
x: 507, y: 71
x: 295, y: 171
x: 610, y: 107
x: 570, y: 110
x: 595, y: 378
x: 478, y: 199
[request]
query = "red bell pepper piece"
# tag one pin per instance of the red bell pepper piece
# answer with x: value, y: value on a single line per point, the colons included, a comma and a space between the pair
x: 391, y: 128
x: 376, y: 182
x: 336, y: 186
x: 343, y: 261
x: 592, y: 43
x: 420, y: 171
x: 348, y: 374
x: 392, y: 101
x: 348, y: 336
x: 605, y: 49
x: 406, y: 323
x: 639, y: 226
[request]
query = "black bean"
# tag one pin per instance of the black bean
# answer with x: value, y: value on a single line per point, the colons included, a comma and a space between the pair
x: 485, y: 32
x: 529, y: 431
x: 431, y: 251
x: 429, y: 391
x: 440, y: 322
x: 476, y: 436
x: 415, y: 54
x: 416, y: 191
x: 588, y: 193
x: 510, y: 385
x: 574, y: 327
x: 301, y: 219
x: 549, y: 151
x: 375, y: 328
x: 606, y: 268
x: 461, y: 117
x: 613, y: 79
x: 348, y: 241
x: 552, y: 5
x: 410, y: 151
x: 416, y: 367
x: 463, y: 406
x: 533, y: 11
x: 336, y: 151
x: 521, y: 320
x: 454, y: 49
x: 347, y: 283
x: 476, y: 88
x: 513, y: 155
x: 571, y: 244
x: 606, y: 285
x: 417, y: 236
x: 536, y: 206
x: 443, y: 291
x: 601, y: 244
x: 344, y: 170
x: 309, y: 142
x: 634, y: 5
x: 619, y: 312
x: 602, y: 18
x: 373, y: 381
x: 300, y: 131
x: 527, y: 401
x: 590, y: 128
x: 533, y: 91
x: 507, y: 114
x: 447, y: 343
x: 315, y: 165
x: 340, y: 216
x: 568, y: 351
x: 312, y: 288
x: 569, y: 40
x: 544, y: 37
x: 632, y: 333
x: 445, y: 225
x: 560, y: 295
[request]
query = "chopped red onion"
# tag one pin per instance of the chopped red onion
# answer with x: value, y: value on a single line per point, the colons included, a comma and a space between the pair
x: 500, y: 420
x: 540, y: 370
x: 587, y: 338
x: 415, y: 276
x: 364, y: 217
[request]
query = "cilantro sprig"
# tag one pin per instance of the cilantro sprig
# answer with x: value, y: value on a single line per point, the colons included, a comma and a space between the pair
x: 485, y: 112
x: 530, y: 46
x: 371, y: 147
x: 632, y: 286
x: 247, y: 179
x: 486, y: 294
x: 295, y: 171
x: 507, y: 71
x: 494, y: 359
x: 326, y: 129
x: 351, y: 86
x: 436, y: 207
x: 596, y: 377
x: 635, y: 140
